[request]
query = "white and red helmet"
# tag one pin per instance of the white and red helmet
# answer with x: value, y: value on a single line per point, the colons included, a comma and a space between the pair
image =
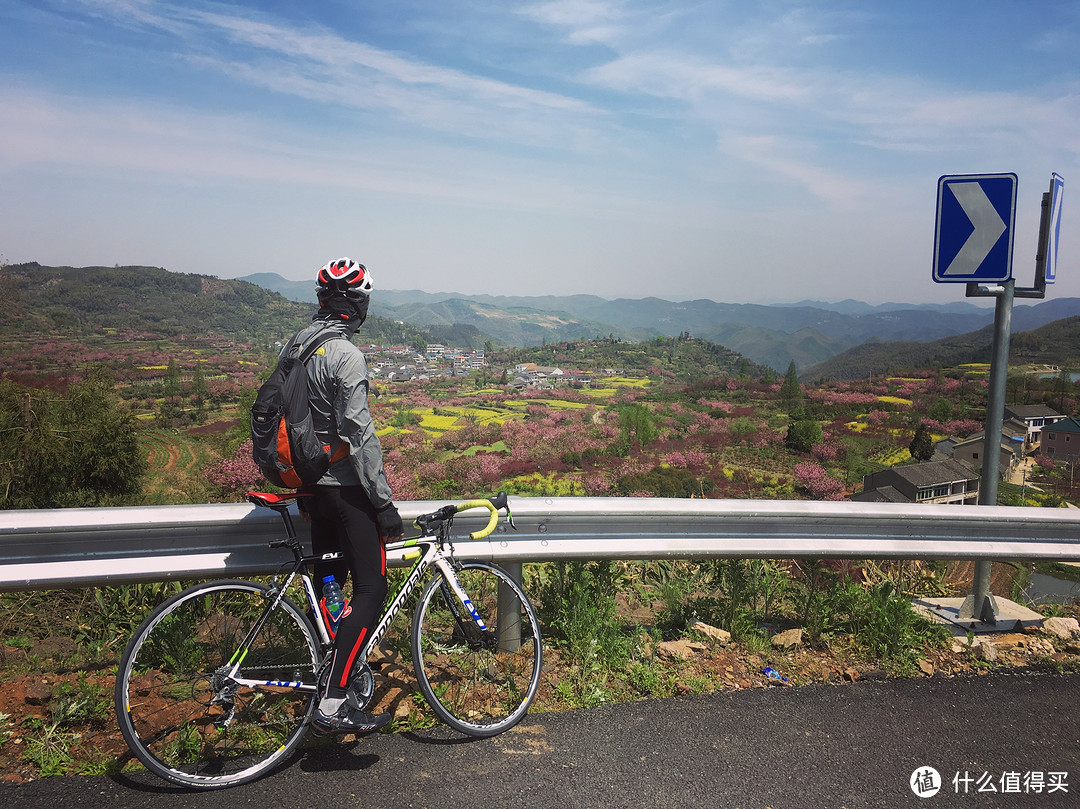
x: 343, y: 276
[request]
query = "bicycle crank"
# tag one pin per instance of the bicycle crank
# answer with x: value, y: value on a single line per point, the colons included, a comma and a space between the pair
x: 361, y: 686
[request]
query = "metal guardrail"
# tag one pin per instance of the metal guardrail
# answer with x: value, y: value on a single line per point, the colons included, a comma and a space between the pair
x: 84, y: 547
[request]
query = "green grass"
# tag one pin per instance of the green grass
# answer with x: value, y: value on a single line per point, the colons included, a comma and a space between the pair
x: 498, y: 446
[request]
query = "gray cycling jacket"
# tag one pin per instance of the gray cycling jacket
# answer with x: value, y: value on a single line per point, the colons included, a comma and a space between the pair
x: 338, y: 394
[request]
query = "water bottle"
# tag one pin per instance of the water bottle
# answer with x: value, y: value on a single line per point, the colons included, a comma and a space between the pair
x: 333, y: 604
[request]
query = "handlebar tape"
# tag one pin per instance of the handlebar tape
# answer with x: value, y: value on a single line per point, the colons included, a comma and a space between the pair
x: 492, y: 521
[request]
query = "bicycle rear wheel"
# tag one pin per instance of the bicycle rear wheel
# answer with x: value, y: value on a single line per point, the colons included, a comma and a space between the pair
x: 480, y: 681
x: 184, y: 717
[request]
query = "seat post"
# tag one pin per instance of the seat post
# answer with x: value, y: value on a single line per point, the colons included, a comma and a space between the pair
x: 286, y: 517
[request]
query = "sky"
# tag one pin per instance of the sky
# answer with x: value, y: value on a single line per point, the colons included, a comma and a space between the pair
x: 758, y: 152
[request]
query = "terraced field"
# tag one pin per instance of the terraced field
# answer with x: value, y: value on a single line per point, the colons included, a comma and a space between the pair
x: 175, y: 462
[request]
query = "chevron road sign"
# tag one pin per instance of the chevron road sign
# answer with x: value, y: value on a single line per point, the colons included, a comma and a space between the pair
x: 973, y: 239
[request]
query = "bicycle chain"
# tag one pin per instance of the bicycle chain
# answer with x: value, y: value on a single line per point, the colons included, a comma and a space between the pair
x: 275, y: 666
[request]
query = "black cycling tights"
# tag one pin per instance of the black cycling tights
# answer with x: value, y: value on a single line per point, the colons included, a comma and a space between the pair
x: 343, y: 519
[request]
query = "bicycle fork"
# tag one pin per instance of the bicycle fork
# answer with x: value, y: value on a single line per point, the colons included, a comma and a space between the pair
x: 466, y: 617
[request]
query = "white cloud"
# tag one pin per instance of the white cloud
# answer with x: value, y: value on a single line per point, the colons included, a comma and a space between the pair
x: 692, y: 78
x: 316, y: 64
x: 777, y: 156
x: 586, y: 21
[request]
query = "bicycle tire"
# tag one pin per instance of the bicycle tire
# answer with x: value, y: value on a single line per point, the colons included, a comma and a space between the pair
x: 174, y: 708
x: 476, y: 681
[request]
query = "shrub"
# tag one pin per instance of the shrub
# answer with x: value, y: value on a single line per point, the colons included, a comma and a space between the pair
x: 665, y: 482
x: 802, y: 435
x: 237, y: 473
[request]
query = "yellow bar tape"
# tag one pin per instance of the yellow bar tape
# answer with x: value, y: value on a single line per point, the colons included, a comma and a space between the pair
x: 492, y: 522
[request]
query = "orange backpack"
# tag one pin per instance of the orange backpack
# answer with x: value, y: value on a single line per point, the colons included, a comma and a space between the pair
x: 285, y: 446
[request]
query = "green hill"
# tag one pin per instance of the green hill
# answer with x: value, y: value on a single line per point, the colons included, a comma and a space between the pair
x: 72, y: 301
x: 687, y: 359
x: 1056, y: 343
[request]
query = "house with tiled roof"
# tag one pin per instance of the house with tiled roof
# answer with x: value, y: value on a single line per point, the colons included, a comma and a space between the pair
x: 1061, y: 440
x: 1010, y: 447
x: 947, y: 481
x: 1035, y: 417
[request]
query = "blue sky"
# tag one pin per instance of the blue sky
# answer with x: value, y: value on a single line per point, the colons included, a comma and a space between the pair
x: 744, y: 152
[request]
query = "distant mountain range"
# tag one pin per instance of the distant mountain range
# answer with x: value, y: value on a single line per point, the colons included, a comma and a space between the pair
x: 809, y: 332
x: 827, y: 341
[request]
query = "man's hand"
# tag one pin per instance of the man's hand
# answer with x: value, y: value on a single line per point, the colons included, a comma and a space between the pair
x: 391, y: 529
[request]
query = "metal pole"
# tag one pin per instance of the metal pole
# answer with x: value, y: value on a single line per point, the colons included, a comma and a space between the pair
x: 980, y: 604
x: 509, y: 619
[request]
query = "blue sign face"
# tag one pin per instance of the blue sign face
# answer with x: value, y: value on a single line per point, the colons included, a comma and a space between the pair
x: 973, y: 239
x: 1057, y: 189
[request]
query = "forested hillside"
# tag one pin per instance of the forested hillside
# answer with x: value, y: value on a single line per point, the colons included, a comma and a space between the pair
x: 1056, y: 343
x: 79, y: 300
x: 69, y: 300
x: 685, y: 358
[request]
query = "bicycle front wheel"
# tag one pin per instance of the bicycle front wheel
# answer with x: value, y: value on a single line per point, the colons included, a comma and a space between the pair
x: 477, y: 661
x: 182, y: 712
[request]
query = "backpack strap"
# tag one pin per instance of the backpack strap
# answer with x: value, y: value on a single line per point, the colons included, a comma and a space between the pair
x: 324, y: 336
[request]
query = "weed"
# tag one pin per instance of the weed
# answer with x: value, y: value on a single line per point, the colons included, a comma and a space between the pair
x: 646, y: 680
x: 756, y: 642
x: 577, y: 605
x: 99, y: 765
x: 74, y: 704
x: 99, y: 619
x: 742, y: 587
x: 817, y: 578
x: 49, y: 746
x: 883, y: 623
x: 1050, y: 609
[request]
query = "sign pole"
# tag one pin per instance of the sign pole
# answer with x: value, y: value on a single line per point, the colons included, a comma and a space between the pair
x: 973, y: 239
x: 980, y: 605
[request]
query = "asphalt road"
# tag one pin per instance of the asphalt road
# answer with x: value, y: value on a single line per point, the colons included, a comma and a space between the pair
x: 854, y: 745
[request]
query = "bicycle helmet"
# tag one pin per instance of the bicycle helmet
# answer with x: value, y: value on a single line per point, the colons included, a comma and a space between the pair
x: 344, y: 289
x: 345, y: 276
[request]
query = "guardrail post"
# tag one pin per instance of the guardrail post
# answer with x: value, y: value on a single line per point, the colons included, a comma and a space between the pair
x: 509, y: 617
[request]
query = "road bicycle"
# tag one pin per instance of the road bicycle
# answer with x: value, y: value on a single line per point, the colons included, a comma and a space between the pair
x: 219, y: 683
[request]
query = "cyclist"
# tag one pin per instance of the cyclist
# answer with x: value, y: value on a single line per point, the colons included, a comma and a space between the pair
x: 352, y: 510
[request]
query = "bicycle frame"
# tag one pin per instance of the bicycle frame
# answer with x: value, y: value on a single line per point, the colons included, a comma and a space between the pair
x: 427, y: 551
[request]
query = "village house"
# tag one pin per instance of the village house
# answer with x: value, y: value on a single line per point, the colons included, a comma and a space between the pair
x: 972, y: 452
x: 469, y: 360
x: 947, y: 481
x: 529, y: 374
x: 1036, y: 417
x: 1061, y: 440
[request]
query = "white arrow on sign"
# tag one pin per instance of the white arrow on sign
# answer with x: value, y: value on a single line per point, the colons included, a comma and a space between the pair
x: 988, y: 228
